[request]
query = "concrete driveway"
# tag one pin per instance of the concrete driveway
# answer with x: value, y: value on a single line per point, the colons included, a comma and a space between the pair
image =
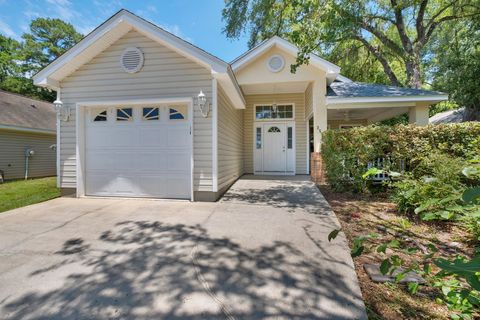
x: 261, y: 252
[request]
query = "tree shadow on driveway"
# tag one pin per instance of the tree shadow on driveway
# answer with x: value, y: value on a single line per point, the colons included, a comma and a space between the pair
x: 146, y: 270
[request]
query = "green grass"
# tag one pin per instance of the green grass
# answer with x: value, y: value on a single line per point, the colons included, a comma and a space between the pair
x: 20, y: 193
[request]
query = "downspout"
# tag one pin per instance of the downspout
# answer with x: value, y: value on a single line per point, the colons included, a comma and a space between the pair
x: 28, y: 154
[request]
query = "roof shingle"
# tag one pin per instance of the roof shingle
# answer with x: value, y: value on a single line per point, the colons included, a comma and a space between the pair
x: 359, y: 89
x: 17, y: 110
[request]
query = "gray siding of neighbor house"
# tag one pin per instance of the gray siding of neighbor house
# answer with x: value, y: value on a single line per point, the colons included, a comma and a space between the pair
x: 165, y: 74
x: 12, y: 154
x: 230, y: 141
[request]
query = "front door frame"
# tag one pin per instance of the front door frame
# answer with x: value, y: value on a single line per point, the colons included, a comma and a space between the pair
x: 287, y: 123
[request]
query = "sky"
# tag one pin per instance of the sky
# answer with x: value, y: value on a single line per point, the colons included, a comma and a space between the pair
x: 197, y: 21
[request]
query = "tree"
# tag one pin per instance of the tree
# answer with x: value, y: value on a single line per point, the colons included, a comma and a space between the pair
x: 46, y: 41
x: 457, y: 61
x: 395, y: 32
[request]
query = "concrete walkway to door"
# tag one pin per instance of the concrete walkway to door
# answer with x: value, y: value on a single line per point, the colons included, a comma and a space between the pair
x: 261, y: 252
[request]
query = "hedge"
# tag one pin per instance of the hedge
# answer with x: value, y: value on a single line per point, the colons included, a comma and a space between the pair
x: 347, y: 153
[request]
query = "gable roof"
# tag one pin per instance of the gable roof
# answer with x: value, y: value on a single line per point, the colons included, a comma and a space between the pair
x: 19, y: 112
x: 116, y: 27
x: 245, y: 59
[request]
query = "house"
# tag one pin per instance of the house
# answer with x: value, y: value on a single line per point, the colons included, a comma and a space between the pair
x: 449, y: 116
x: 147, y: 114
x: 27, y: 137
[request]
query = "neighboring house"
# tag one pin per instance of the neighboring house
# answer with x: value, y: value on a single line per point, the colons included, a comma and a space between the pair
x: 449, y: 116
x: 138, y: 127
x: 26, y: 124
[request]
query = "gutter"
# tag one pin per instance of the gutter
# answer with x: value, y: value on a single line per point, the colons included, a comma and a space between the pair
x: 28, y: 130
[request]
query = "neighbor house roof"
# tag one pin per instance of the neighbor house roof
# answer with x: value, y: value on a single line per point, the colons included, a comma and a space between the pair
x: 117, y: 26
x: 25, y: 114
x: 343, y: 92
x: 450, y: 116
x: 251, y: 55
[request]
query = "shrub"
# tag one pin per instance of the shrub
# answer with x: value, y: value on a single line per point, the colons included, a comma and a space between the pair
x: 347, y: 153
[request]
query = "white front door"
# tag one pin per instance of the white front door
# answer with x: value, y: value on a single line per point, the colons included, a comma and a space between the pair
x: 274, y: 151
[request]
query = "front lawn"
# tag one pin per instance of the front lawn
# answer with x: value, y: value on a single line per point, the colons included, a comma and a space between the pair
x: 20, y: 193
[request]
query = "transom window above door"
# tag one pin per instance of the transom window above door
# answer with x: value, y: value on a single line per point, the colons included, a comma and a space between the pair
x: 281, y: 111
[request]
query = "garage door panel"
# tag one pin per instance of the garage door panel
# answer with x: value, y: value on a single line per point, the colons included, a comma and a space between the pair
x: 138, y: 158
x: 178, y: 137
x: 124, y: 137
x: 152, y: 162
x: 153, y: 186
x: 179, y: 187
x: 153, y: 137
x: 99, y: 160
x: 179, y: 162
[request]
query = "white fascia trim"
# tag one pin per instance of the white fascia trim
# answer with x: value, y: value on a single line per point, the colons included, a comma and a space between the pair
x: 430, y: 98
x: 25, y: 129
x: 133, y: 102
x: 214, y: 135
x: 154, y: 32
x: 315, y: 60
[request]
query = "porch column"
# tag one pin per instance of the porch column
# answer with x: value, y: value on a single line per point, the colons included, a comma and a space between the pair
x: 319, y: 113
x: 319, y: 88
x: 418, y: 115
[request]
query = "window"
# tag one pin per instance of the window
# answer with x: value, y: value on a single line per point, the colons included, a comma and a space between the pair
x: 289, y: 137
x: 100, y: 116
x: 274, y: 129
x: 124, y: 114
x: 348, y: 126
x: 259, y: 138
x: 176, y: 114
x: 274, y: 112
x: 151, y: 114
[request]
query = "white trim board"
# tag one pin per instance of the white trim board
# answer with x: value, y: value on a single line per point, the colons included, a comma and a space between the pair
x: 80, y: 136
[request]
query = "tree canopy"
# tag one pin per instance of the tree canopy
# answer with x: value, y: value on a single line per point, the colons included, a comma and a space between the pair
x: 381, y: 41
x: 19, y: 60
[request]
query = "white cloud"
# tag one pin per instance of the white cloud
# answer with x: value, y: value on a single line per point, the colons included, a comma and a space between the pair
x: 175, y: 29
x: 63, y: 8
x: 6, y: 30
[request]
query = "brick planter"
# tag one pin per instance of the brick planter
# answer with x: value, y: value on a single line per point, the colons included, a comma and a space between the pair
x: 316, y: 171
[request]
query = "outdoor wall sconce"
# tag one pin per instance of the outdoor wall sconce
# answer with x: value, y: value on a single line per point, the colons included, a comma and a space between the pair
x: 203, y: 104
x: 63, y: 112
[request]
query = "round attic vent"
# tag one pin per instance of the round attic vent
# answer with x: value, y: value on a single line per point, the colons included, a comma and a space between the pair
x: 131, y: 60
x: 275, y: 63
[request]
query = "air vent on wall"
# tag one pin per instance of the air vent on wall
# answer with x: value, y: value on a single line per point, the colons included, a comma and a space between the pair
x: 132, y: 60
x: 275, y: 63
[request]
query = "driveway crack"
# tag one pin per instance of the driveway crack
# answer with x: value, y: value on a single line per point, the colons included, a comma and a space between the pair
x: 206, y: 286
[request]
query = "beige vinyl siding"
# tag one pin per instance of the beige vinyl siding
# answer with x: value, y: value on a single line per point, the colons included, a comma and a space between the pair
x: 308, y: 101
x: 165, y: 74
x: 12, y: 154
x: 335, y: 124
x: 230, y: 141
x: 298, y: 99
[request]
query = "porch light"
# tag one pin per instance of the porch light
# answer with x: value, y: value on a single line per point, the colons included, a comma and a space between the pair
x: 63, y: 112
x: 202, y: 104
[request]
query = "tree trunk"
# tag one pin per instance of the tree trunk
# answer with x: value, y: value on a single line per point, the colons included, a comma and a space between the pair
x: 471, y: 114
x: 414, y: 73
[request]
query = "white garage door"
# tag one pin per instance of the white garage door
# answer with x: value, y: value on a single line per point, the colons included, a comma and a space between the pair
x: 138, y: 151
